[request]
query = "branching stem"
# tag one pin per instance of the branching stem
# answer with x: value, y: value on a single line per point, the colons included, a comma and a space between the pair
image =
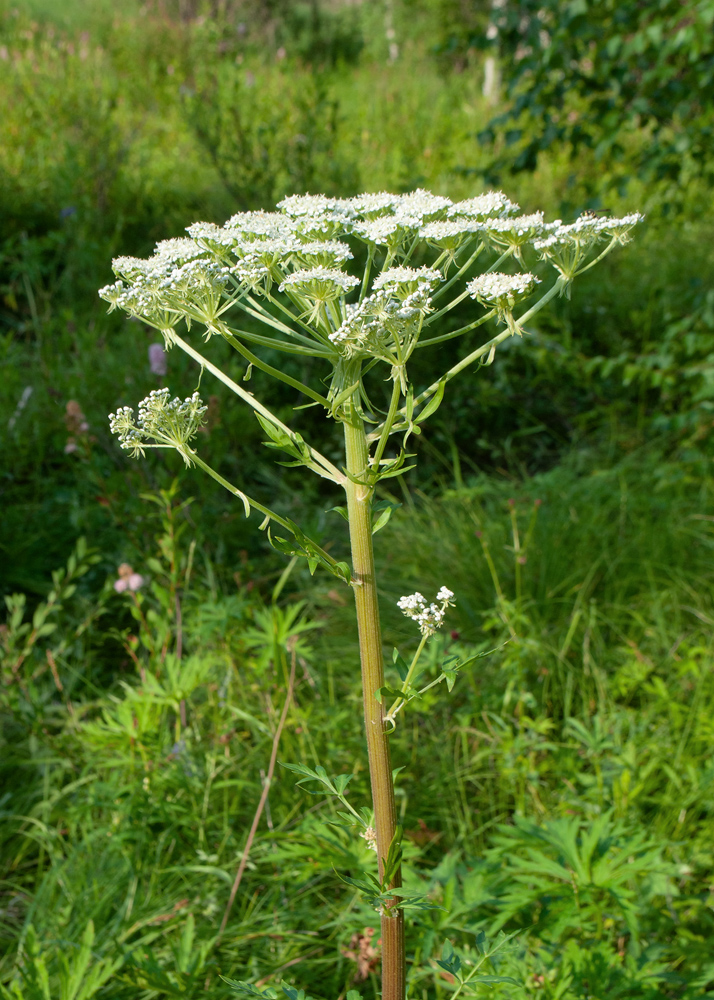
x: 322, y: 466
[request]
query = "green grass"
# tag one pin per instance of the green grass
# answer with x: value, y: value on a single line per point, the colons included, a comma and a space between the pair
x: 592, y: 715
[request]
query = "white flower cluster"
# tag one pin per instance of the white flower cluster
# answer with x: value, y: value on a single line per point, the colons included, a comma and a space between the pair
x: 514, y: 233
x: 490, y: 205
x: 429, y: 617
x: 370, y: 836
x: 317, y: 217
x: 588, y: 230
x: 177, y: 251
x: 501, y: 289
x: 323, y: 253
x: 501, y: 292
x: 369, y: 206
x: 403, y: 281
x: 318, y: 286
x: 305, y: 205
x: 301, y: 249
x: 323, y: 283
x: 161, y: 422
x: 424, y: 205
x: 388, y: 230
x: 259, y: 225
x: 451, y: 233
x: 262, y: 261
x: 179, y: 280
x: 566, y: 246
x: 371, y: 327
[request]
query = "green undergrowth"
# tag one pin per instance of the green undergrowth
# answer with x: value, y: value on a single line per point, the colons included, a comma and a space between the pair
x: 564, y: 790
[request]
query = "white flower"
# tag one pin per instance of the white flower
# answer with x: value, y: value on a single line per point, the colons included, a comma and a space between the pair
x: 370, y: 835
x: 161, y: 423
x: 369, y: 206
x: 320, y: 282
x: 297, y: 205
x: 489, y: 205
x: 423, y: 204
x: 370, y: 327
x: 496, y: 287
x: 501, y: 292
x: 429, y: 617
x: 264, y: 260
x: 620, y: 228
x: 178, y: 251
x: 388, y: 230
x: 317, y: 217
x: 515, y: 233
x: 174, y: 283
x: 450, y: 234
x: 325, y: 253
x: 253, y: 275
x: 317, y: 286
x: 567, y: 246
x: 404, y: 280
x: 259, y: 225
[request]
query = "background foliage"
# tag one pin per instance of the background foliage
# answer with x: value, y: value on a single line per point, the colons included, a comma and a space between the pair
x: 566, y: 789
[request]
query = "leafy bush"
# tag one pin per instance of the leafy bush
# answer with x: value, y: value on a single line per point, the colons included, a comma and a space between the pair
x: 624, y: 79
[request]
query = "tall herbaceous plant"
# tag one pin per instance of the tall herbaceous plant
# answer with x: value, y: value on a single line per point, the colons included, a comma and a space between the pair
x: 291, y: 270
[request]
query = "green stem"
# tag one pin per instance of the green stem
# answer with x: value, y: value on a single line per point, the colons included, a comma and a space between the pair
x: 459, y: 332
x: 462, y: 270
x: 225, y: 332
x: 592, y: 263
x: 407, y: 680
x: 365, y: 277
x: 485, y: 348
x: 322, y: 466
x: 279, y: 345
x: 386, y: 430
x: 258, y: 311
x: 370, y: 643
x: 250, y: 503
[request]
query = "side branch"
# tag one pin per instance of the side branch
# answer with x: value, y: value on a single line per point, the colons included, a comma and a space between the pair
x: 322, y: 465
x: 269, y: 515
x: 480, y: 351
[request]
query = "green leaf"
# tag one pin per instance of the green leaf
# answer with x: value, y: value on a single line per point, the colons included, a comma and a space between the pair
x: 400, y: 664
x: 434, y: 403
x: 385, y: 510
x: 387, y: 690
x: 449, y: 961
x: 290, y: 992
x: 449, y: 670
x: 342, y: 781
x: 342, y: 396
x: 394, y: 858
x: 342, y: 511
x: 247, y: 989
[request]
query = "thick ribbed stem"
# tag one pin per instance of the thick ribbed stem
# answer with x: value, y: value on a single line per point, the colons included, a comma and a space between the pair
x: 370, y: 644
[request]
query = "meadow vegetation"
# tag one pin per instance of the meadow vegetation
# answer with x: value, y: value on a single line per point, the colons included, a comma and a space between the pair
x: 565, y: 790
